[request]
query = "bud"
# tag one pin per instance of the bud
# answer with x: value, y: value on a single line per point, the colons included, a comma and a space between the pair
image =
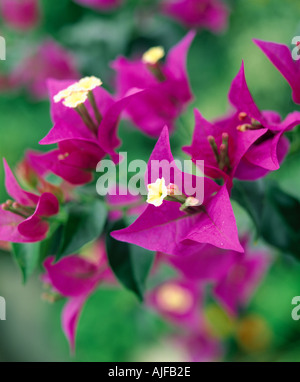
x: 191, y: 202
x: 172, y: 189
x: 16, y: 205
x: 242, y: 115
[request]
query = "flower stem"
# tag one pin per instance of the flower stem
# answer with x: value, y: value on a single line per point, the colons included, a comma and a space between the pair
x: 97, y: 113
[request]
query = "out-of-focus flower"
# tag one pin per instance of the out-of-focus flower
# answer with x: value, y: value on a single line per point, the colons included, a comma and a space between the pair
x: 237, y: 286
x: 178, y: 301
x: 49, y: 60
x: 102, y: 5
x: 168, y: 85
x: 281, y: 57
x: 176, y: 231
x: 24, y: 219
x: 85, y: 132
x: 247, y: 144
x: 210, y: 264
x: 28, y: 174
x: 73, y: 160
x: 253, y: 334
x: 200, y: 346
x: 76, y: 277
x: 20, y: 14
x: 234, y: 275
x: 208, y: 14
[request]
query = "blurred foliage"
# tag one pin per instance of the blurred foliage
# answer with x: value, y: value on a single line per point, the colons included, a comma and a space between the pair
x: 113, y: 326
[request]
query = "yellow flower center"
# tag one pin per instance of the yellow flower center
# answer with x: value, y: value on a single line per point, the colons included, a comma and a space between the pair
x: 75, y: 99
x: 88, y: 83
x: 174, y: 298
x: 157, y: 192
x: 63, y: 156
x: 63, y: 94
x: 77, y: 93
x: 153, y: 55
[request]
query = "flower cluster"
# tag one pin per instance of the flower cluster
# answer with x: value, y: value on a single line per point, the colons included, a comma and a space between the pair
x: 199, y: 239
x: 208, y: 14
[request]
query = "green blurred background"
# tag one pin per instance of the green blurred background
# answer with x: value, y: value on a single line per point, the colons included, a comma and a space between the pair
x: 113, y: 326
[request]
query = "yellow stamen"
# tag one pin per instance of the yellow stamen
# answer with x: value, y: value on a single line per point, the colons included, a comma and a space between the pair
x: 172, y: 190
x: 75, y: 99
x: 63, y: 156
x: 63, y: 94
x: 157, y: 192
x: 174, y: 298
x: 88, y: 83
x: 85, y: 85
x: 191, y: 202
x: 153, y: 55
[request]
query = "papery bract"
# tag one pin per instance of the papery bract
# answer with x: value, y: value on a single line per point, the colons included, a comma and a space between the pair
x: 77, y: 277
x: 255, y: 141
x: 26, y: 221
x: 50, y: 60
x: 80, y: 149
x: 210, y: 264
x: 236, y: 288
x: 209, y: 14
x: 172, y: 231
x: 281, y: 57
x: 20, y: 14
x: 178, y: 301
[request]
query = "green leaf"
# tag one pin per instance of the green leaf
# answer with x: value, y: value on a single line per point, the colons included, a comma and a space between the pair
x: 84, y: 224
x: 280, y: 221
x: 50, y: 246
x: 131, y: 264
x: 26, y: 256
x: 250, y: 196
x: 274, y: 212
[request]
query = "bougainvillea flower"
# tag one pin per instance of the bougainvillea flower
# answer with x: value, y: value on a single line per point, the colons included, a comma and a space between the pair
x: 281, y: 57
x: 174, y: 230
x: 236, y: 287
x: 100, y: 4
x: 168, y: 82
x: 208, y: 14
x: 247, y: 144
x: 82, y: 142
x: 76, y: 277
x: 49, y: 60
x: 210, y: 264
x: 200, y: 346
x: 178, y: 301
x: 73, y: 160
x: 29, y: 176
x: 20, y: 14
x: 24, y: 219
x: 120, y: 199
